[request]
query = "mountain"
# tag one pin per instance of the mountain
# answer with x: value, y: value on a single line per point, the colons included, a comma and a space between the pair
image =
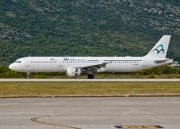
x: 86, y: 27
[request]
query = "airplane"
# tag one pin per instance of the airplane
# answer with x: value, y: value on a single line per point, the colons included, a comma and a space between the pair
x: 74, y: 66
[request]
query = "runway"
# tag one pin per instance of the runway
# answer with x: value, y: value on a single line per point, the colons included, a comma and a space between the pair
x: 90, y: 113
x: 90, y: 80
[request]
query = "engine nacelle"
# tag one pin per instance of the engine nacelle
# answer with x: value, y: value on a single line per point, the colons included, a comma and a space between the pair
x: 72, y: 72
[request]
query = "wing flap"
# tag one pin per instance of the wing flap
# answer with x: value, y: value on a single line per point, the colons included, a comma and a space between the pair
x: 94, y: 68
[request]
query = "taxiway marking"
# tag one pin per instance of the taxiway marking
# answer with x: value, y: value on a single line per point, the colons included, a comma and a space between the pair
x: 138, y: 126
x: 37, y: 121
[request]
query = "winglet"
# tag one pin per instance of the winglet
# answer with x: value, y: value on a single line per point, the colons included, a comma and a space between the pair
x: 161, y: 48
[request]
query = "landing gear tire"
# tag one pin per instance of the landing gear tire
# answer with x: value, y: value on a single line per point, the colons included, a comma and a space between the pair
x: 90, y: 76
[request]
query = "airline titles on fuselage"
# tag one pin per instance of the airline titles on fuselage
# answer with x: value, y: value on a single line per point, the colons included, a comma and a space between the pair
x: 72, y: 59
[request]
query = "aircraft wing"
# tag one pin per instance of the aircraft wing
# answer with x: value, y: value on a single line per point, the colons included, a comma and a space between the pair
x: 94, y: 68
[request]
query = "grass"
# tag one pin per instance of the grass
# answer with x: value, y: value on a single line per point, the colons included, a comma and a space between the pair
x: 46, y: 89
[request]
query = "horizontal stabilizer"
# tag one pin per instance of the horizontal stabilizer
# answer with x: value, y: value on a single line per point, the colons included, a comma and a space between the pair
x: 167, y: 61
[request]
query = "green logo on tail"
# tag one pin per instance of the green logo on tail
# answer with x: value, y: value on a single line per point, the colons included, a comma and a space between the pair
x: 159, y: 49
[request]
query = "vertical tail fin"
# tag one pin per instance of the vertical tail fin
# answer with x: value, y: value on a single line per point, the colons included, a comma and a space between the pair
x: 160, y: 49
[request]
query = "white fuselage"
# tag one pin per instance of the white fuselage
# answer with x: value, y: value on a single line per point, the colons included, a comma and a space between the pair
x: 74, y: 66
x: 61, y: 64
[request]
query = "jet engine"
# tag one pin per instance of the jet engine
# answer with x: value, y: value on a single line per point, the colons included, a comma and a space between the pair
x: 71, y: 72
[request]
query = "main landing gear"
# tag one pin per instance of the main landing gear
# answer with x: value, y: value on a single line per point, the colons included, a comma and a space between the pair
x: 90, y: 76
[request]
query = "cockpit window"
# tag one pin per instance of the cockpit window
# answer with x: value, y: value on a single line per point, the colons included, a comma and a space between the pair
x: 17, y: 61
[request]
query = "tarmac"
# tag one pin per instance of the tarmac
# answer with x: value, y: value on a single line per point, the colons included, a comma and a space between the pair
x: 90, y: 113
x: 88, y: 80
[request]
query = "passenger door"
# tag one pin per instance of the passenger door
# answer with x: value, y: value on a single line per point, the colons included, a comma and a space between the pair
x: 27, y: 62
x: 60, y: 64
x: 144, y: 62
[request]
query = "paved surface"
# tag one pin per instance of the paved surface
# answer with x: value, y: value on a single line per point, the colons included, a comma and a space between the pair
x: 90, y: 113
x: 100, y: 80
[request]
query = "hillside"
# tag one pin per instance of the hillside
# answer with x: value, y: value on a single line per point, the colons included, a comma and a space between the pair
x: 86, y: 28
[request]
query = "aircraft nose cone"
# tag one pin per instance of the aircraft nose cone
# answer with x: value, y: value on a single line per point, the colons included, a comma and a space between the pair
x: 11, y: 66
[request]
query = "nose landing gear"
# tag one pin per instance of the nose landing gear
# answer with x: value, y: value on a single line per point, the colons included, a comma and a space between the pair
x: 28, y: 73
